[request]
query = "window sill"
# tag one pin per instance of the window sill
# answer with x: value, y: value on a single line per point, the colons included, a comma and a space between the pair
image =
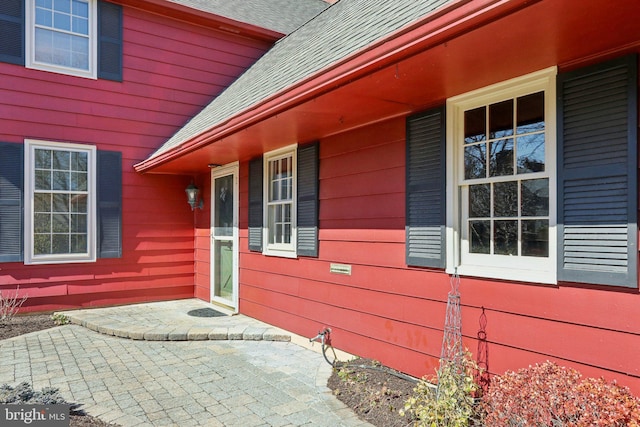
x: 280, y: 253
x: 504, y: 273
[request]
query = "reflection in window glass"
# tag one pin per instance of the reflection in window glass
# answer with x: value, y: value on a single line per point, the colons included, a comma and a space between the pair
x: 501, y: 119
x: 61, y: 35
x: 60, y: 202
x: 280, y: 201
x: 504, y: 146
x: 480, y: 237
x: 505, y: 237
x: 501, y: 161
x: 535, y: 238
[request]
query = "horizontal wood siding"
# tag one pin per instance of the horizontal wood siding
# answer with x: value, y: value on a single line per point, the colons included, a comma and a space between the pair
x: 394, y: 313
x: 171, y: 70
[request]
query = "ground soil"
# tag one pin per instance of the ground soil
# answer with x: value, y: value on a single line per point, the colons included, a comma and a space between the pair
x: 375, y: 393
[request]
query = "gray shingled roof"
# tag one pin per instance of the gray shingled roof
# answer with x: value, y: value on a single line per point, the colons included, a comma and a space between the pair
x: 282, y: 16
x: 343, y: 29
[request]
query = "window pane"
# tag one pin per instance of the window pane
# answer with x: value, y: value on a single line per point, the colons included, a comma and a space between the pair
x: 278, y: 233
x: 79, y: 162
x: 47, y: 4
x: 42, y: 202
x: 42, y: 244
x: 79, y: 52
x: 43, y: 159
x: 44, y: 17
x: 79, y: 243
x: 80, y: 26
x: 501, y: 119
x: 505, y: 199
x: 43, y: 180
x: 480, y: 200
x: 78, y: 223
x: 535, y: 197
x: 80, y: 8
x: 62, y: 21
x: 480, y: 237
x: 60, y: 223
x: 61, y: 180
x: 475, y: 165
x: 287, y: 233
x: 42, y: 223
x: 501, y: 161
x: 79, y: 203
x: 531, y: 153
x: 44, y: 45
x: 505, y: 237
x: 61, y: 160
x: 78, y: 181
x: 475, y: 125
x: 61, y: 48
x: 60, y: 244
x: 62, y: 5
x: 60, y: 203
x: 535, y: 238
x: 530, y: 113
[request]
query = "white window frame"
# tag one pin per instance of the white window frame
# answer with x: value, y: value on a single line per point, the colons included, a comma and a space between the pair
x: 30, y: 61
x: 527, y: 269
x: 287, y: 250
x: 29, y: 185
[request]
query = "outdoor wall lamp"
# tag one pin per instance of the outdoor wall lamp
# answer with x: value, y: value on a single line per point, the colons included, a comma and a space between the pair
x: 193, y: 198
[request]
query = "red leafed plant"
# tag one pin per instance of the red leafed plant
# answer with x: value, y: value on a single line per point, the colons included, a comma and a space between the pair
x: 548, y: 395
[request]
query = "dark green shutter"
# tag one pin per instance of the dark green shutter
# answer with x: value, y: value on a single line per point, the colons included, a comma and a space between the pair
x: 255, y: 204
x: 307, y: 206
x: 12, y: 31
x: 425, y: 189
x: 597, y: 174
x: 109, y: 41
x: 11, y: 202
x: 109, y: 204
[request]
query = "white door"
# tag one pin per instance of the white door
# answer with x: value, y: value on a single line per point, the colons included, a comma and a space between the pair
x: 224, y: 236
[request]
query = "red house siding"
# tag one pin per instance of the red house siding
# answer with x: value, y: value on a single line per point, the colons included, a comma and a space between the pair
x: 171, y: 70
x: 394, y: 313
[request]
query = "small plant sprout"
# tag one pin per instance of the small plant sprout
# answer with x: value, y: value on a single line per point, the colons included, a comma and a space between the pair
x: 9, y: 305
x: 60, y: 319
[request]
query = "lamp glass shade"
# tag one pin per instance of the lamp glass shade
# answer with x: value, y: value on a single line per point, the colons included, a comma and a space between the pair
x: 192, y: 195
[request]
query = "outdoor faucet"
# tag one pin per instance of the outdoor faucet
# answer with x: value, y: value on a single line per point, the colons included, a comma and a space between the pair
x: 322, y: 335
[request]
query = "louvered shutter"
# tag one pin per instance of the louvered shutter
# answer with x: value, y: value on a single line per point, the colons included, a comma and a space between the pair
x: 11, y: 202
x: 12, y: 31
x: 109, y: 41
x: 109, y: 204
x: 425, y: 189
x: 307, y: 204
x: 255, y: 205
x: 597, y: 176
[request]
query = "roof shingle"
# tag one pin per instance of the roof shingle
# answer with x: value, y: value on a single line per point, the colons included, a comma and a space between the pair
x: 340, y: 31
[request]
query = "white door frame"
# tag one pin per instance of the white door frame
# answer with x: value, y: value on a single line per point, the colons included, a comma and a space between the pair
x: 229, y: 169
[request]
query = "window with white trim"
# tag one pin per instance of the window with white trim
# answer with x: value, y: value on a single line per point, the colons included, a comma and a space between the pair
x: 280, y: 202
x: 501, y: 180
x: 61, y: 36
x: 60, y: 202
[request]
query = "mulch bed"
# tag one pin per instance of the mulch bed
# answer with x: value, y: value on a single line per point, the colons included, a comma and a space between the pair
x: 374, y: 392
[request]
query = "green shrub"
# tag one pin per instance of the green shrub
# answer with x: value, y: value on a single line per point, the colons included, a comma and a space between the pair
x: 452, y: 403
x: 550, y: 395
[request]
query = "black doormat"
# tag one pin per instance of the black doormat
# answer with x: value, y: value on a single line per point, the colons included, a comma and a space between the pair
x: 205, y: 312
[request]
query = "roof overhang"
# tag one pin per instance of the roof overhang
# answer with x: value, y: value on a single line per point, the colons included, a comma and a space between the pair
x: 467, y: 45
